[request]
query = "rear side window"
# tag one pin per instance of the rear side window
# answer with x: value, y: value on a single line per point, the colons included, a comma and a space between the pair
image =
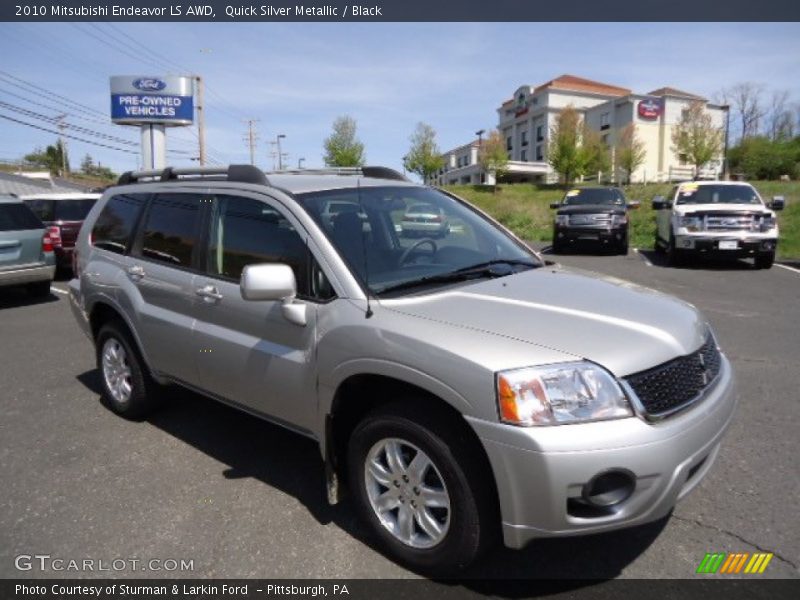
x: 18, y: 217
x: 170, y: 229
x: 114, y: 227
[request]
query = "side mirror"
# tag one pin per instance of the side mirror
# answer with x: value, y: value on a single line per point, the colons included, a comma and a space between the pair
x: 555, y: 205
x: 634, y: 204
x: 659, y: 203
x: 273, y: 282
x: 778, y: 202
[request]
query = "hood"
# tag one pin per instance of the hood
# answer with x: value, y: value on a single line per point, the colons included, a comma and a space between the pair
x: 594, y: 209
x: 624, y: 327
x: 688, y: 209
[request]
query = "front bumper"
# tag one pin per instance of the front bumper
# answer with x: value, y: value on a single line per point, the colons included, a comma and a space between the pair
x: 29, y: 274
x: 541, y: 472
x: 588, y: 234
x: 744, y: 246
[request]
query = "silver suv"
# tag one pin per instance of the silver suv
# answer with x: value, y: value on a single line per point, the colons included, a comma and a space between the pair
x: 460, y: 388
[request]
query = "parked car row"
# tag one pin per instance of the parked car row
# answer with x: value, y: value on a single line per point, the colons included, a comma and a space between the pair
x: 719, y: 218
x: 37, y: 237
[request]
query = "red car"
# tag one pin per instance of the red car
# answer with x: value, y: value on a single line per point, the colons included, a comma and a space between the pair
x: 63, y: 215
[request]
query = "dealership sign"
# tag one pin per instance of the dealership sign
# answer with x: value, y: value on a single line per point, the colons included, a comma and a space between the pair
x: 650, y: 108
x: 137, y: 100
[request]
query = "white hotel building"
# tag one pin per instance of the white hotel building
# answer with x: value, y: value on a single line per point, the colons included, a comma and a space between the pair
x: 526, y: 119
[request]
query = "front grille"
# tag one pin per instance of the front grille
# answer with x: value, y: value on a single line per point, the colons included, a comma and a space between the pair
x: 674, y: 384
x: 590, y: 220
x: 730, y: 222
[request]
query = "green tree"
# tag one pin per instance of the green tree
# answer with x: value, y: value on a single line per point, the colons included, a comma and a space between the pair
x: 492, y: 155
x: 564, y: 152
x: 759, y: 157
x: 630, y: 151
x: 424, y: 157
x: 53, y: 158
x: 342, y: 147
x: 96, y: 170
x: 595, y: 152
x: 696, y: 137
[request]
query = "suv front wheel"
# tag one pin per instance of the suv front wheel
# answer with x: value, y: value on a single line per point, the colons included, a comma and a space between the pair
x: 406, y: 475
x: 128, y: 389
x: 764, y: 260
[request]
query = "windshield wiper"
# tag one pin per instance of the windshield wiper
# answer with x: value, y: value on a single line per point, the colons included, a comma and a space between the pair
x: 498, y: 261
x: 486, y: 269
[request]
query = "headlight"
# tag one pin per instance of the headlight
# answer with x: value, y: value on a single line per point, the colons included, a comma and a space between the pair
x: 559, y: 394
x: 767, y: 223
x: 690, y: 223
x: 562, y: 220
x: 617, y: 220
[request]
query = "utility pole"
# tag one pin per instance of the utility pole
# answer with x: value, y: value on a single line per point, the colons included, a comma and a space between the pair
x: 201, y: 121
x: 273, y: 153
x: 300, y: 162
x: 62, y: 143
x: 251, y: 139
x: 280, y: 156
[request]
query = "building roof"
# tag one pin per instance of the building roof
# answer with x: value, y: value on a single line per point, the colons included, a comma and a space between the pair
x: 21, y: 185
x: 671, y: 91
x: 579, y: 84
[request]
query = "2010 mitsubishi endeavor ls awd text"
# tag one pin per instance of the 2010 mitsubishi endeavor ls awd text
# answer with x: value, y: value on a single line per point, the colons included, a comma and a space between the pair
x: 459, y: 387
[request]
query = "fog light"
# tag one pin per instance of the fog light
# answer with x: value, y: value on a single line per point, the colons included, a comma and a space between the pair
x: 768, y: 246
x: 609, y: 488
x: 687, y: 243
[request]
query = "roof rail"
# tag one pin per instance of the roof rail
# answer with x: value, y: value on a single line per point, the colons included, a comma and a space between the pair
x: 237, y: 173
x: 367, y: 171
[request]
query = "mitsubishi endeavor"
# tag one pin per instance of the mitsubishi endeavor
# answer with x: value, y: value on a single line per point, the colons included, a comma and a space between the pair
x: 461, y: 389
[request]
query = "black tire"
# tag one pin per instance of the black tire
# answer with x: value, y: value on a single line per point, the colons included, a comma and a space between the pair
x: 622, y: 249
x: 658, y: 245
x: 143, y: 396
x: 473, y: 517
x: 40, y: 289
x: 675, y: 257
x: 556, y: 247
x: 764, y: 260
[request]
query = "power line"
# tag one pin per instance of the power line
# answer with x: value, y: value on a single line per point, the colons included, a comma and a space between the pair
x: 90, y: 142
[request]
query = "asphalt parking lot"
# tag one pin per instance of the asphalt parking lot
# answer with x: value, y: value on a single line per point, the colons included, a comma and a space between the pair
x: 243, y: 498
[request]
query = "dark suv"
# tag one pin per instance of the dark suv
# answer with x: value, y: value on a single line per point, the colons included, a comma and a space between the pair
x: 63, y: 215
x: 597, y: 215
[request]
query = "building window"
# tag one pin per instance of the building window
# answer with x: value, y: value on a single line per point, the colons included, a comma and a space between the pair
x: 539, y: 133
x: 539, y: 155
x: 523, y: 155
x: 604, y: 121
x: 605, y: 139
x: 683, y: 159
x: 509, y: 145
x: 524, y: 138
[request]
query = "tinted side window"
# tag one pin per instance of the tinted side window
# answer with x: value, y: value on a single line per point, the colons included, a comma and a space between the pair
x: 245, y: 231
x: 42, y: 208
x: 73, y: 210
x: 170, y: 228
x: 18, y: 217
x: 114, y: 226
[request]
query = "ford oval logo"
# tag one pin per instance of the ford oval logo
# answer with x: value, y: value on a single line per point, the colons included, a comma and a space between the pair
x: 149, y: 84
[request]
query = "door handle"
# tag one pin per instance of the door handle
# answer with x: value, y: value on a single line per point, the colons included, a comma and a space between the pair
x: 136, y: 272
x: 208, y: 293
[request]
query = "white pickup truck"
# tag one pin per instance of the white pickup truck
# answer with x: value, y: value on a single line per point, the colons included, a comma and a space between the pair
x: 723, y: 218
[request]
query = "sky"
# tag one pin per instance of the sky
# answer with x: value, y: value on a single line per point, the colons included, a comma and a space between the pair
x: 296, y: 78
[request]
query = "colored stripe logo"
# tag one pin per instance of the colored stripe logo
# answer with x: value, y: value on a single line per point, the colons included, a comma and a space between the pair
x: 735, y: 562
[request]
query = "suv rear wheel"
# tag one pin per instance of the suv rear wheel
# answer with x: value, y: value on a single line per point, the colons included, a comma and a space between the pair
x: 675, y: 257
x: 406, y: 475
x: 128, y: 389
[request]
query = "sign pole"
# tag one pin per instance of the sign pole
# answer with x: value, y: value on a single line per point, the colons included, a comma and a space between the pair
x: 154, y: 146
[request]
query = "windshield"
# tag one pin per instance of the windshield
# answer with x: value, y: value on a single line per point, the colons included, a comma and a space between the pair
x: 691, y: 193
x: 387, y: 250
x: 594, y: 196
x: 61, y: 210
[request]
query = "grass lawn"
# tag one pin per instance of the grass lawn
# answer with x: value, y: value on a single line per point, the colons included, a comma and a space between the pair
x: 525, y: 209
